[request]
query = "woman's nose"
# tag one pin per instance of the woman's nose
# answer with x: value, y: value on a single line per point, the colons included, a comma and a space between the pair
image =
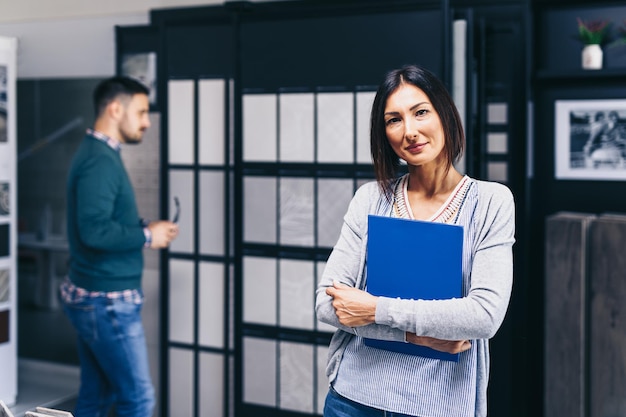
x: 411, y: 130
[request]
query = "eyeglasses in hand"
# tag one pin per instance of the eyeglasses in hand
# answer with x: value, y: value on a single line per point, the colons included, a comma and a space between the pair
x: 177, y: 213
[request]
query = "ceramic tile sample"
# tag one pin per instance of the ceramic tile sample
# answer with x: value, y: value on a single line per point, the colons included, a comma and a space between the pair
x: 566, y: 265
x: 297, y: 128
x: 497, y: 142
x: 259, y: 128
x: 181, y: 384
x: 181, y: 301
x: 364, y: 101
x: 322, y: 379
x: 5, y: 206
x: 259, y: 371
x: 259, y: 217
x: 296, y: 377
x: 296, y: 211
x: 211, y: 385
x: 182, y: 187
x: 297, y: 292
x: 212, y: 219
x: 333, y: 198
x: 211, y: 306
x: 180, y: 131
x: 497, y: 171
x: 5, y: 167
x: 5, y: 285
x: 335, y: 128
x: 259, y: 290
x: 607, y: 321
x: 211, y: 121
x: 497, y: 113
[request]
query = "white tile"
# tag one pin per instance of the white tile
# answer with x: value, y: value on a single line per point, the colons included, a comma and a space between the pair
x: 182, y: 186
x: 259, y: 290
x: 212, y: 215
x: 335, y: 128
x: 296, y: 212
x: 181, y: 383
x: 181, y: 111
x: 259, y: 211
x: 322, y: 379
x: 259, y: 127
x: 211, y: 314
x: 333, y: 198
x: 296, y: 377
x: 297, y: 128
x: 211, y: 124
x: 497, y: 143
x: 259, y: 371
x: 364, y: 101
x: 297, y: 294
x: 211, y: 385
x: 181, y: 301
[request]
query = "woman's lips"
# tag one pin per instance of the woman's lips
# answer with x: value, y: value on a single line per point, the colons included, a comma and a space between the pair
x: 415, y: 148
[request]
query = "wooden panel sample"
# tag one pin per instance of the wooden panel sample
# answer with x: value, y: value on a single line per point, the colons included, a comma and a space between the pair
x: 565, y: 292
x: 607, y: 364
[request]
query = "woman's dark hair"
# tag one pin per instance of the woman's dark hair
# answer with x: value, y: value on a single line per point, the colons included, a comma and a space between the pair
x: 386, y: 162
x: 114, y: 87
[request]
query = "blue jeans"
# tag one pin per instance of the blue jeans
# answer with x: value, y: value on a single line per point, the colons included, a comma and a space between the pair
x: 338, y: 406
x: 113, y: 358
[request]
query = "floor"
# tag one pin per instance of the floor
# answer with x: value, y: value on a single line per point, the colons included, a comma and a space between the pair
x: 45, y: 384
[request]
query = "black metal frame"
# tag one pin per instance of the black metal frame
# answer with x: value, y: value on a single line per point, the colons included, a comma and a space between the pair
x: 236, y: 15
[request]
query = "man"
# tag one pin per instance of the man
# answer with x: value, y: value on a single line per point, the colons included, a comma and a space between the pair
x: 103, y: 296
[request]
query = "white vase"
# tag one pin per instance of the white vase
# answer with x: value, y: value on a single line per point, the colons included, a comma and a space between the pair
x: 592, y: 57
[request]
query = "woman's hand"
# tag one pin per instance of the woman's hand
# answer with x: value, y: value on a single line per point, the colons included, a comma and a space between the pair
x: 448, y: 346
x: 353, y: 307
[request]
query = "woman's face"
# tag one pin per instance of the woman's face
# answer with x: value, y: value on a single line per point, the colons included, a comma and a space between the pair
x: 413, y: 127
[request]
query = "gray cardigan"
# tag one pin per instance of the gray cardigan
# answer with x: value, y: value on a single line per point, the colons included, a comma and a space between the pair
x: 488, y: 276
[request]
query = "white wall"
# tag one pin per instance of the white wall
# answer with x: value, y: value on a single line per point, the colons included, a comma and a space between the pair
x: 30, y: 10
x: 74, y: 38
x: 68, y: 48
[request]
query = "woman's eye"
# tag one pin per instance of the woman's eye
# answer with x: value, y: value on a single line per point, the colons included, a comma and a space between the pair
x: 421, y: 112
x: 391, y: 121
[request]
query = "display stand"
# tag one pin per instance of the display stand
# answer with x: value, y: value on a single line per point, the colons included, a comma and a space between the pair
x: 8, y: 215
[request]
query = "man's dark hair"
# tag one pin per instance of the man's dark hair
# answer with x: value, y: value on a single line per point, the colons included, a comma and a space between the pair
x: 114, y: 87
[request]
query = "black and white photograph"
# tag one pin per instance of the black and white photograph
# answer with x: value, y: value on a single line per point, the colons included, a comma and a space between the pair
x: 5, y: 283
x: 142, y: 66
x: 3, y: 104
x: 590, y: 139
x: 4, y: 199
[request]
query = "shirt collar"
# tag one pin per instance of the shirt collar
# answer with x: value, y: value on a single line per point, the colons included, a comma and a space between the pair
x: 113, y: 143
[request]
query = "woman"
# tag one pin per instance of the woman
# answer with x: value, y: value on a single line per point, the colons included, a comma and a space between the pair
x: 415, y: 120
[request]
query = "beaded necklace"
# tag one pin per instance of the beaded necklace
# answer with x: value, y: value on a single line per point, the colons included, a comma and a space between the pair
x: 446, y: 212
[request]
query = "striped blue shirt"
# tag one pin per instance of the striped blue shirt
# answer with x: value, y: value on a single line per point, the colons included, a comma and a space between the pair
x: 415, y: 385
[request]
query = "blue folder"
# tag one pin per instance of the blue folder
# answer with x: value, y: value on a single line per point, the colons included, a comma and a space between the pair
x: 412, y: 259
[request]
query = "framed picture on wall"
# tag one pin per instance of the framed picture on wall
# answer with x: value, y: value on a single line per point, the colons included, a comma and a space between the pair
x: 590, y: 139
x: 142, y: 66
x: 3, y: 104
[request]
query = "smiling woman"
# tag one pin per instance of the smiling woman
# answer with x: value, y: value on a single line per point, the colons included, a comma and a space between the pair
x: 414, y: 120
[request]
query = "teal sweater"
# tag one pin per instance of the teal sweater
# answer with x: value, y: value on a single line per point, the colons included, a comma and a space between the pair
x: 104, y: 230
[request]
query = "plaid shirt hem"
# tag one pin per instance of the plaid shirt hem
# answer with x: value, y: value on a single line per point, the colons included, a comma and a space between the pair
x: 72, y: 294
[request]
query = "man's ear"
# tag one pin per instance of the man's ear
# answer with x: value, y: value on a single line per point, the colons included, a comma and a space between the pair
x: 115, y: 109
